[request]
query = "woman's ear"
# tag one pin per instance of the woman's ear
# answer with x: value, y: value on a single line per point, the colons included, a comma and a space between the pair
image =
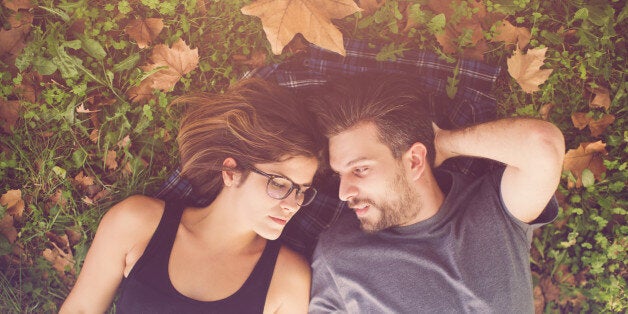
x: 230, y: 176
x: 415, y: 160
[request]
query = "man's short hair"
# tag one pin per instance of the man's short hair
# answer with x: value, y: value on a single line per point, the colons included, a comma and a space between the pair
x: 394, y: 103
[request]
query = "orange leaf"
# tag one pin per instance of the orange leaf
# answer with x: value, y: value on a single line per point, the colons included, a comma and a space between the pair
x: 580, y: 120
x: 7, y: 229
x: 13, y: 202
x: 586, y: 156
x: 9, y: 110
x: 526, y: 69
x: 597, y: 127
x: 144, y: 31
x: 15, y: 5
x: 110, y: 160
x: 60, y: 260
x: 602, y: 98
x: 510, y: 34
x: 282, y: 19
x: 83, y: 180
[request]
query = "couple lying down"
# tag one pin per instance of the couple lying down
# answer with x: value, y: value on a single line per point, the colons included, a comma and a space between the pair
x: 414, y: 238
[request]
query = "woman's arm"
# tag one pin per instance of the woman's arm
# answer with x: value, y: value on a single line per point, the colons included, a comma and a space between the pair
x: 289, y: 290
x: 126, y: 224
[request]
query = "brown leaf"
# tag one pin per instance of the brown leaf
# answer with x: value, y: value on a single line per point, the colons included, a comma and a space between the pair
x: 13, y: 202
x: 94, y: 135
x: 12, y: 42
x: 87, y: 200
x: 370, y: 6
x: 563, y: 275
x: 73, y: 236
x: 586, y: 156
x: 176, y: 62
x: 476, y: 52
x: 83, y: 180
x: 580, y: 120
x: 15, y: 5
x: 58, y: 198
x: 455, y: 28
x: 526, y: 69
x: 282, y: 19
x: 602, y: 98
x: 100, y: 195
x: 511, y: 34
x: 125, y: 142
x: 22, y: 19
x: 551, y: 292
x: 201, y: 7
x: 256, y: 59
x: 9, y: 113
x: 545, y: 110
x: 539, y: 300
x: 144, y: 31
x: 60, y: 260
x: 7, y: 229
x: 81, y: 109
x: 597, y: 127
x: 110, y: 160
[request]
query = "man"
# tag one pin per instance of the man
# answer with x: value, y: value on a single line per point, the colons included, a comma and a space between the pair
x: 472, y: 104
x: 420, y: 239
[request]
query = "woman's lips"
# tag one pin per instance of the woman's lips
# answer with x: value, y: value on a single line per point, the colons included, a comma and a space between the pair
x: 282, y: 222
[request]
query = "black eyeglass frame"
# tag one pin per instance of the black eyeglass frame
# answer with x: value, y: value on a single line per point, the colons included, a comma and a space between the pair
x: 292, y: 188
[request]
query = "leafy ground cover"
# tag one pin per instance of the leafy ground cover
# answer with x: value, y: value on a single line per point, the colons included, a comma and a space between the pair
x: 85, y: 121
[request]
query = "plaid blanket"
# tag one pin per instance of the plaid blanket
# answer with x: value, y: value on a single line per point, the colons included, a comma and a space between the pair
x: 471, y: 104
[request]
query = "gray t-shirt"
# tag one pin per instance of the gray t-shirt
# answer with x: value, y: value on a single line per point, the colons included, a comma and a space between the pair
x: 472, y: 256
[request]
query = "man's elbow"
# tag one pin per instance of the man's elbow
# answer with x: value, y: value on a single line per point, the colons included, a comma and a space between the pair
x: 549, y: 142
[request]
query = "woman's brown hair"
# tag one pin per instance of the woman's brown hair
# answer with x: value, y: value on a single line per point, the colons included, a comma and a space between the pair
x: 253, y: 122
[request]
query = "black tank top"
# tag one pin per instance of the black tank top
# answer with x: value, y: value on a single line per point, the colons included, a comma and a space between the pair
x: 148, y: 288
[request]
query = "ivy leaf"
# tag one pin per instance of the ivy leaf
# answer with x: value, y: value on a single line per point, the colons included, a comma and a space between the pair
x: 526, y: 69
x: 586, y: 156
x: 282, y: 19
x: 144, y: 31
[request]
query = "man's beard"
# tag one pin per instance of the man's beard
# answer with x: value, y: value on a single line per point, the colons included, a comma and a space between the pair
x: 403, y: 205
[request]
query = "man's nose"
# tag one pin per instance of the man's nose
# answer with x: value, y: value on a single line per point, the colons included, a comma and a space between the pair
x: 347, y: 189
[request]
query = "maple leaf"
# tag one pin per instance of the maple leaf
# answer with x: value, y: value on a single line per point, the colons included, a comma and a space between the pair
x: 455, y: 28
x: 526, y: 69
x: 511, y: 34
x: 586, y: 156
x: 581, y: 120
x: 144, y: 31
x: 602, y: 98
x: 15, y: 5
x: 174, y: 63
x: 13, y: 202
x: 9, y: 113
x: 282, y: 19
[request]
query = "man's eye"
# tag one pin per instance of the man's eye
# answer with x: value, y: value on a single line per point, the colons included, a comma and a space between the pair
x: 361, y: 170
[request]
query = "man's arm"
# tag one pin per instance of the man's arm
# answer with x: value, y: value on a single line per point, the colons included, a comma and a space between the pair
x: 532, y: 150
x: 325, y: 297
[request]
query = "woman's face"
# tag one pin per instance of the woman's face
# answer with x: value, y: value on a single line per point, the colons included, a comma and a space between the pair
x: 267, y: 215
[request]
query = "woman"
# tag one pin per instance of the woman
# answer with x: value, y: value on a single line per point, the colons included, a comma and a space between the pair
x: 253, y: 151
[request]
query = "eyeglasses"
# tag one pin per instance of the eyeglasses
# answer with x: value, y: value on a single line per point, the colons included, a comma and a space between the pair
x: 279, y: 188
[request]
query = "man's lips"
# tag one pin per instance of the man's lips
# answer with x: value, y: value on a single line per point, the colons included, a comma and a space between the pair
x: 360, y: 209
x: 280, y: 221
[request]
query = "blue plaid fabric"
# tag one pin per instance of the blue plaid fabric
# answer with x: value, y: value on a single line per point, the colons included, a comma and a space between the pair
x: 472, y: 104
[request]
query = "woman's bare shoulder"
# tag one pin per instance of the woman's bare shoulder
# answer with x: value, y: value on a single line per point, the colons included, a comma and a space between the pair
x: 290, y: 287
x: 134, y: 214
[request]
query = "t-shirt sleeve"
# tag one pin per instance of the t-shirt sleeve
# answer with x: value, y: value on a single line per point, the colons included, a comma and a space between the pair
x: 325, y: 297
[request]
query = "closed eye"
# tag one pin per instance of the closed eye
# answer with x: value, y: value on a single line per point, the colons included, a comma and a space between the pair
x: 361, y: 171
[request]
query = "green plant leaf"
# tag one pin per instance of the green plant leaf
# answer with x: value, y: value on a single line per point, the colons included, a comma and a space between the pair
x: 587, y: 178
x: 93, y: 48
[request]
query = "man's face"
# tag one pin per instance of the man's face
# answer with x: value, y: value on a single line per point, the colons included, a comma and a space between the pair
x: 372, y: 181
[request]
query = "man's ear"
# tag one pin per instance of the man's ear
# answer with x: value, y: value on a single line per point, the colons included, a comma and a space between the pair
x: 415, y: 160
x: 230, y: 176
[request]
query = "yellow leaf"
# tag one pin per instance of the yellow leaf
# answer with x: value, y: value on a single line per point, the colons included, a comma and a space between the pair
x: 282, y: 19
x: 526, y: 69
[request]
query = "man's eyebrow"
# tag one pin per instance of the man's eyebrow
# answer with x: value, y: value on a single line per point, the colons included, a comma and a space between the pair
x: 355, y: 161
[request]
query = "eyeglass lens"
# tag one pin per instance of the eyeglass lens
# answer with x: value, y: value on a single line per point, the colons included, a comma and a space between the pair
x: 279, y: 188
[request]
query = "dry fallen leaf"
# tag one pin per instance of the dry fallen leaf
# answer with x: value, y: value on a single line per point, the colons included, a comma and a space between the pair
x: 60, y: 260
x: 9, y: 113
x: 176, y: 62
x: 370, y: 6
x: 13, y: 40
x: 454, y: 29
x: 94, y: 135
x: 511, y: 34
x: 545, y: 110
x: 110, y: 160
x: 256, y: 59
x: 83, y: 180
x: 144, y: 31
x: 81, y: 109
x: 586, y: 156
x: 125, y: 142
x: 526, y: 69
x: 13, y: 202
x: 539, y: 300
x: 15, y: 5
x: 602, y: 98
x: 7, y: 229
x: 582, y: 119
x: 282, y: 19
